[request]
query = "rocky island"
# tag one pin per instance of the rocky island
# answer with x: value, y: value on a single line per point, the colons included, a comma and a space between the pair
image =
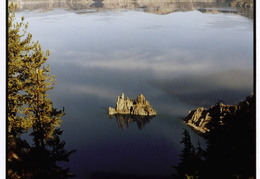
x: 140, y: 106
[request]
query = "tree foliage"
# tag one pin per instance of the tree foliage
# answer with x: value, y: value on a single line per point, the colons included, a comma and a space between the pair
x: 190, y: 159
x: 30, y: 108
x: 19, y: 48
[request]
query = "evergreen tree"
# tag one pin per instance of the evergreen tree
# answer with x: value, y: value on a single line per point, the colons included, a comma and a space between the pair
x: 187, y: 167
x: 28, y: 82
x: 32, y: 162
x: 29, y: 107
x: 19, y: 48
x: 40, y: 110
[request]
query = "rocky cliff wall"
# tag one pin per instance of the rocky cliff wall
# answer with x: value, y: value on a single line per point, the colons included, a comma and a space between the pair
x: 200, y: 119
x: 242, y: 3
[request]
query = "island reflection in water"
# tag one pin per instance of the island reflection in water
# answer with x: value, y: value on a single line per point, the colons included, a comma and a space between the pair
x: 124, y: 120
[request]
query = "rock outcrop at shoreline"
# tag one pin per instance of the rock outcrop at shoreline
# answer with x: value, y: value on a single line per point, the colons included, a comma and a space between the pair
x: 200, y: 118
x: 140, y: 106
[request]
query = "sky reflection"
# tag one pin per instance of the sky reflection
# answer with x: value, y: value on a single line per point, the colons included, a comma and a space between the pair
x: 166, y: 63
x: 179, y: 61
x: 230, y: 87
x: 105, y: 54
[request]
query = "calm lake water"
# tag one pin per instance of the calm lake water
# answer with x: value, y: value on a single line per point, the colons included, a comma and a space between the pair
x: 179, y: 56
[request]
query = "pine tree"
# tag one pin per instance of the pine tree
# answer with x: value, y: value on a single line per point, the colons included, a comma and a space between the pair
x: 40, y: 108
x: 19, y: 46
x: 29, y: 107
x: 187, y: 167
x: 28, y: 82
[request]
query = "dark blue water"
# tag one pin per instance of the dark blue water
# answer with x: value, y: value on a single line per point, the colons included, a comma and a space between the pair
x: 179, y: 61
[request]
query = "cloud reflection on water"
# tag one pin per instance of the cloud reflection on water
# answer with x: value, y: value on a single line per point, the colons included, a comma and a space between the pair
x: 90, y: 90
x: 204, y: 90
x: 196, y: 78
x: 166, y: 63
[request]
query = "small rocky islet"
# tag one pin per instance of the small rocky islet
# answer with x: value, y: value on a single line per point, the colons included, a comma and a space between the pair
x: 140, y: 106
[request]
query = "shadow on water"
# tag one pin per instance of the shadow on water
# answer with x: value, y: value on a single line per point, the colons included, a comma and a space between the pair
x: 115, y: 175
x: 38, y: 162
x: 124, y: 120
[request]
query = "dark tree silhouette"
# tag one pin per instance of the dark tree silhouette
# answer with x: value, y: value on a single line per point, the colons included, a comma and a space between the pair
x: 37, y: 162
x: 231, y: 149
x: 231, y: 146
x: 187, y: 168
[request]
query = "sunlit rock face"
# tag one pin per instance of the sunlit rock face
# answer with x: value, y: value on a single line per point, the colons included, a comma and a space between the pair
x: 242, y: 3
x: 140, y: 106
x: 200, y: 119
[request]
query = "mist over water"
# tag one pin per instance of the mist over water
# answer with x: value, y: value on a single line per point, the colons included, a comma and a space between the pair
x: 179, y: 61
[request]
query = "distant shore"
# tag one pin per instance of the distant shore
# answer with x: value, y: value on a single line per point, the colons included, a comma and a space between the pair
x: 160, y: 7
x: 242, y: 3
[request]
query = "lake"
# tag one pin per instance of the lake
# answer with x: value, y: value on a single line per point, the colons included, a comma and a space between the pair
x: 179, y: 55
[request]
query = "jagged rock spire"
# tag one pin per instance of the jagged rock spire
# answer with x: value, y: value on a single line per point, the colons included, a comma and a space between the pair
x: 140, y: 106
